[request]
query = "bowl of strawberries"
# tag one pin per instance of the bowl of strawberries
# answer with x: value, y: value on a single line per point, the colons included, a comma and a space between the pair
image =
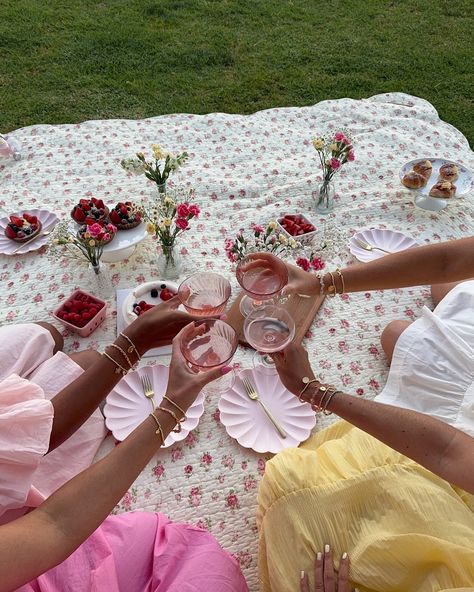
x: 297, y: 226
x: 82, y: 312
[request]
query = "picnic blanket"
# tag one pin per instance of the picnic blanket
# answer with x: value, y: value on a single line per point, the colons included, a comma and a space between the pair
x: 244, y: 169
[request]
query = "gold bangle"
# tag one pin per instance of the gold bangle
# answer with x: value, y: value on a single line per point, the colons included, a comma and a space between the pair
x: 177, y: 427
x: 118, y: 368
x: 159, y: 431
x: 324, y: 408
x: 176, y: 406
x: 132, y: 347
x: 317, y: 407
x: 339, y: 273
x: 117, y: 347
x: 332, y: 290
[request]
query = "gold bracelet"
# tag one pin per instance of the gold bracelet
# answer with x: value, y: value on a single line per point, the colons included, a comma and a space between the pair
x: 176, y: 406
x: 159, y: 431
x: 325, y: 409
x: 118, y: 368
x: 117, y: 347
x: 317, y: 407
x: 332, y: 290
x: 132, y: 347
x: 177, y: 427
x: 306, y: 381
x: 339, y: 273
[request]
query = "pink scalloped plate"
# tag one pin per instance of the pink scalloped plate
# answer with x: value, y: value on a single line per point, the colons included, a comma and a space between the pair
x: 246, y: 421
x: 389, y: 240
x: 7, y: 246
x: 126, y: 406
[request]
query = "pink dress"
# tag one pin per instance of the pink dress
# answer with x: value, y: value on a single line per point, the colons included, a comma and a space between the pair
x: 132, y: 552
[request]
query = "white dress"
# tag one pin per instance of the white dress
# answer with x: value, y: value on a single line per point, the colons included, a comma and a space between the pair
x: 432, y: 369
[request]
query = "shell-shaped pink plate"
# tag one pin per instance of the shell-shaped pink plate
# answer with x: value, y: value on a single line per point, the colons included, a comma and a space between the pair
x: 126, y: 406
x: 389, y: 240
x: 246, y: 421
x: 7, y: 246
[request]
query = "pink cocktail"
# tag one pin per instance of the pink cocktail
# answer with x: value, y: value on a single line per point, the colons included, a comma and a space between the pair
x: 204, y: 294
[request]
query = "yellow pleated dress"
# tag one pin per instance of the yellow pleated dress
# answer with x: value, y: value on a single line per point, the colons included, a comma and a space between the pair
x: 404, y: 528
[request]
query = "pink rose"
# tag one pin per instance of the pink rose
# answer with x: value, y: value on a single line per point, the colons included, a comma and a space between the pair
x: 194, y: 210
x: 303, y: 263
x: 182, y: 223
x: 95, y: 229
x: 351, y: 155
x: 183, y: 210
x: 339, y: 136
x: 334, y: 164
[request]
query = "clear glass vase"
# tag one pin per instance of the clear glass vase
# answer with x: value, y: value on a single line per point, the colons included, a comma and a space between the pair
x: 161, y: 189
x: 325, y: 198
x: 169, y: 262
x: 99, y: 279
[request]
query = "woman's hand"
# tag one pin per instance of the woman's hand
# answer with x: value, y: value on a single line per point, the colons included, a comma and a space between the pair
x: 292, y: 364
x: 185, y: 383
x: 159, y: 325
x: 325, y: 578
x: 301, y: 282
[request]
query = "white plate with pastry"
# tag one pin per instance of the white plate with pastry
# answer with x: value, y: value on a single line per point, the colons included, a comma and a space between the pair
x: 436, y: 181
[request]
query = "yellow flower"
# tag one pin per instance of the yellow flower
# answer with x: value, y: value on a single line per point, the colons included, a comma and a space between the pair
x: 168, y: 201
x: 92, y: 243
x: 140, y: 155
x: 87, y: 235
x: 167, y: 221
x: 333, y: 147
x: 158, y: 153
x: 318, y: 143
x: 162, y: 227
x: 150, y: 228
x: 273, y: 224
x: 293, y: 244
x: 282, y: 238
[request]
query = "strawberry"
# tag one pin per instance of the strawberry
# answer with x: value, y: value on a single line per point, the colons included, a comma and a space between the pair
x: 16, y: 221
x: 166, y: 294
x: 114, y: 217
x: 10, y: 233
x: 78, y: 215
x: 31, y: 219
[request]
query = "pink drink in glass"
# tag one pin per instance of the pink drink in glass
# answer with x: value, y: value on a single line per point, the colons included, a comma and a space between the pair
x: 204, y: 294
x: 208, y: 343
x: 262, y: 277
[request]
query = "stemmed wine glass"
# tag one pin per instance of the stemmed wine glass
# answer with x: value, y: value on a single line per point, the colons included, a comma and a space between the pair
x: 262, y: 277
x: 268, y: 329
x: 204, y: 294
x: 209, y: 343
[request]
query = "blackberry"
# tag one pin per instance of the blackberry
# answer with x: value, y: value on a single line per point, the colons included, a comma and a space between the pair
x: 163, y: 286
x: 154, y: 293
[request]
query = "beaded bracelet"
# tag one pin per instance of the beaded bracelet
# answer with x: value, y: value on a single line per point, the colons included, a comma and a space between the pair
x: 117, y: 347
x: 132, y: 347
x: 119, y: 368
x: 176, y: 406
x: 177, y: 428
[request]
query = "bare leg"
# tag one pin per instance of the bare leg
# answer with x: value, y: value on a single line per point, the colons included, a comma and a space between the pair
x: 85, y: 359
x: 390, y: 336
x: 58, y: 338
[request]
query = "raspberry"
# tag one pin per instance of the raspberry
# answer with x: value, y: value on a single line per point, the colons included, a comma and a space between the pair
x: 86, y: 316
x: 166, y: 294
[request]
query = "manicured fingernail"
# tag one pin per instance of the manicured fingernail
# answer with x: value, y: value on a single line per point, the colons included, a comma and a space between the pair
x: 319, y: 556
x: 302, y: 575
x: 344, y: 555
x: 223, y: 317
x: 327, y: 548
x: 225, y: 369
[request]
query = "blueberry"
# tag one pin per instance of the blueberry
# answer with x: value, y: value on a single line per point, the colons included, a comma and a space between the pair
x: 154, y: 293
x: 163, y: 286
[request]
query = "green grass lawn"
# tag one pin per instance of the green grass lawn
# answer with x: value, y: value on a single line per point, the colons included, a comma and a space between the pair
x: 65, y: 61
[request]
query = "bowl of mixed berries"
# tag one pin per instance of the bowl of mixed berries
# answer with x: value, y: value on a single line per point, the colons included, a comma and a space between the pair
x: 82, y: 312
x: 89, y: 210
x: 297, y: 226
x: 22, y: 228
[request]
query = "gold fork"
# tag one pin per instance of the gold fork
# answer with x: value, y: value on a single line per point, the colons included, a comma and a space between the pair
x: 147, y: 389
x: 368, y: 247
x: 252, y: 394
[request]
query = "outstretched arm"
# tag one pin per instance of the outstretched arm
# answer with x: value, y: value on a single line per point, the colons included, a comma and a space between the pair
x: 444, y: 450
x: 451, y: 261
x: 74, y: 404
x: 38, y: 541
